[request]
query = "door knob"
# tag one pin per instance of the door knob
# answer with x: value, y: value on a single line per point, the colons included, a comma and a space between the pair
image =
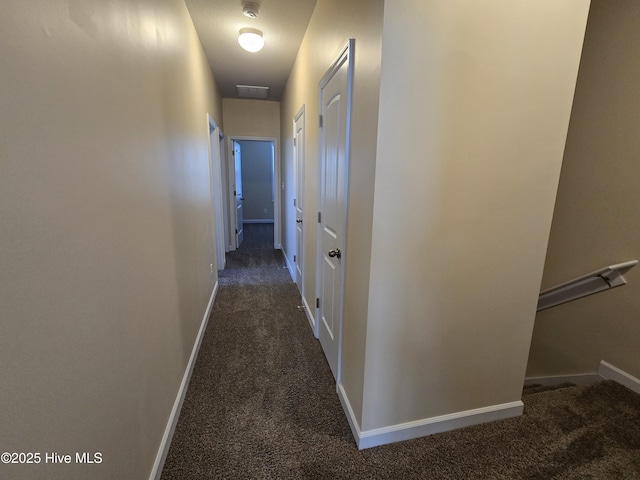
x: 335, y: 253
x: 298, y: 220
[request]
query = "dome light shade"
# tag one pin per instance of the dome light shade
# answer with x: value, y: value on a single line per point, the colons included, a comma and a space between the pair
x: 251, y: 39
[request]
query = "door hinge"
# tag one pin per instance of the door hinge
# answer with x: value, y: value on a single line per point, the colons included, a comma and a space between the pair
x: 294, y: 142
x: 236, y: 231
x: 294, y: 202
x: 320, y: 120
x: 317, y: 303
x: 294, y: 259
x: 319, y: 218
x: 234, y: 193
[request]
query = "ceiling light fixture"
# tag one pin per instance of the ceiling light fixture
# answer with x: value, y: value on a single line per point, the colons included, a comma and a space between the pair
x: 250, y: 9
x: 251, y: 39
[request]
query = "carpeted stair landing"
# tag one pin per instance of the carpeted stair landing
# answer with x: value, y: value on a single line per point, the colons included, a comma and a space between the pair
x: 262, y: 405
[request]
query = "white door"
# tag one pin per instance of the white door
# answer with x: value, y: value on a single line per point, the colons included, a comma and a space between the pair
x: 298, y: 152
x: 238, y: 192
x: 334, y: 156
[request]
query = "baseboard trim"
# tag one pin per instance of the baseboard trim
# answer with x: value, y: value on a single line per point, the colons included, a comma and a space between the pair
x: 258, y: 220
x: 427, y: 426
x: 605, y: 371
x: 289, y: 266
x: 443, y: 423
x: 161, y: 456
x: 351, y: 417
x: 307, y: 311
x: 608, y: 371
x: 580, y: 379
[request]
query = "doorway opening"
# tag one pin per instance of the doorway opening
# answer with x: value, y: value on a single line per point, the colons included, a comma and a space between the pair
x: 253, y: 177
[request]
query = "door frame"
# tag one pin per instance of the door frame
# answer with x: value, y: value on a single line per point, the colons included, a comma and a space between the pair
x: 298, y: 166
x: 276, y: 182
x: 348, y: 51
x: 238, y: 212
x: 216, y: 176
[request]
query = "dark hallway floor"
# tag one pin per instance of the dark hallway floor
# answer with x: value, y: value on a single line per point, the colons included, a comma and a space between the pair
x: 262, y: 405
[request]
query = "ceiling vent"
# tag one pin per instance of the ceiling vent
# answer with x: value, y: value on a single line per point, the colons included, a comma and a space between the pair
x: 250, y: 9
x: 252, y: 91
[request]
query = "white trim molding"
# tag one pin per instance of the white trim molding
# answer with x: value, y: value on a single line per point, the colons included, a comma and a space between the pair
x: 169, y: 430
x: 351, y: 417
x: 290, y: 267
x: 579, y: 379
x: 608, y: 371
x: 426, y: 426
x: 308, y: 310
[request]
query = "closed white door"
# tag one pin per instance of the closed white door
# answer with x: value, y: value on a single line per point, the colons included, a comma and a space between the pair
x: 237, y: 156
x: 298, y: 151
x: 334, y: 156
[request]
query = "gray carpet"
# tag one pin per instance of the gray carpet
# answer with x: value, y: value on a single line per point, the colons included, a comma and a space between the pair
x: 262, y: 405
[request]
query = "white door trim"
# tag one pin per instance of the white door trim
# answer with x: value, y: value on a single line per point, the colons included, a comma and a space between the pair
x: 217, y: 191
x: 276, y: 184
x: 225, y: 190
x: 299, y: 154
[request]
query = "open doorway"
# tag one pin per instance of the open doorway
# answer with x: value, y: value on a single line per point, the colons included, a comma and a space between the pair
x: 254, y: 176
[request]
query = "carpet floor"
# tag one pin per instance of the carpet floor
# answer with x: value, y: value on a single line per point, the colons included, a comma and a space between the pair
x: 262, y: 405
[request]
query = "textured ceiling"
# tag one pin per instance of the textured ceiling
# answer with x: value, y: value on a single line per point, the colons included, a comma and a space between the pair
x: 283, y: 23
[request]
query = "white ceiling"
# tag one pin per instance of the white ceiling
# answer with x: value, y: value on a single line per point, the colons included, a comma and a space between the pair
x: 283, y: 23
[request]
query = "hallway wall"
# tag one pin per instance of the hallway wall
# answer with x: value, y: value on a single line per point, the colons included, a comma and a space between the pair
x: 475, y: 100
x: 332, y: 24
x: 251, y: 118
x: 107, y: 227
x: 594, y: 222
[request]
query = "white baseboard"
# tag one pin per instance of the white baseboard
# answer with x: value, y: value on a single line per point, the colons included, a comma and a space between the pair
x: 608, y: 371
x: 161, y: 456
x: 580, y: 379
x: 292, y: 271
x: 427, y: 426
x: 258, y: 220
x: 307, y: 311
x: 351, y: 418
x: 605, y: 371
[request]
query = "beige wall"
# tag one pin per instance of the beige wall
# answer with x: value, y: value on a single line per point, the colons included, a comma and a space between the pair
x: 251, y: 118
x: 594, y: 223
x: 332, y: 24
x: 107, y: 233
x: 474, y: 107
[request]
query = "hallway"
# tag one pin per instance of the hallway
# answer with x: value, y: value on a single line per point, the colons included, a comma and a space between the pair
x: 116, y: 209
x: 261, y: 395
